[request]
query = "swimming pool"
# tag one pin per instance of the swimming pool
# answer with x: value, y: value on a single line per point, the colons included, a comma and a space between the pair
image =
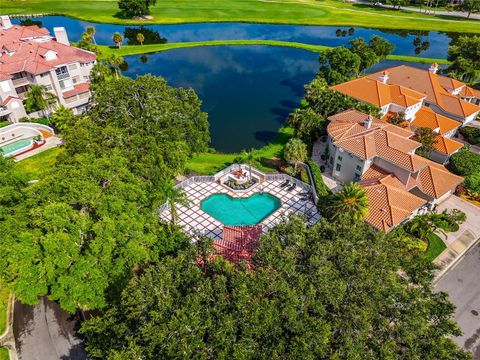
x: 16, y: 146
x: 240, y: 211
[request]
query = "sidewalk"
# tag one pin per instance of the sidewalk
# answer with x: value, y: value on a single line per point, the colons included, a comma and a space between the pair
x: 431, y: 11
x: 458, y: 242
x: 7, y: 339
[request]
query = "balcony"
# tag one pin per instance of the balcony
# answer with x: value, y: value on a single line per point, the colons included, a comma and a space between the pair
x: 20, y: 81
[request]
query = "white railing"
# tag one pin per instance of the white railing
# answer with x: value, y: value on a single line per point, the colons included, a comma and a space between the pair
x: 299, y: 183
x: 27, y: 124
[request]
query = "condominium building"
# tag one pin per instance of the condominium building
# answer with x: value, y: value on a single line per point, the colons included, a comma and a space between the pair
x: 30, y: 55
x: 381, y: 157
x: 426, y: 99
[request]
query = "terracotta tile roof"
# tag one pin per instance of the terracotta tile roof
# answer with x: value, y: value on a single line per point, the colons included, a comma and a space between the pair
x: 375, y: 92
x: 446, y: 145
x: 468, y: 91
x: 427, y: 118
x: 238, y: 243
x: 77, y: 89
x: 8, y: 99
x: 389, y: 202
x: 29, y: 54
x: 436, y: 88
x: 435, y: 180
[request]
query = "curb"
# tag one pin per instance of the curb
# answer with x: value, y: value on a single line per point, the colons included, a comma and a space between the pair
x: 450, y: 266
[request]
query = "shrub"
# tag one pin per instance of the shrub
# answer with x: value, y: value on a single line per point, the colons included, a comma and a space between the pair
x: 472, y: 182
x: 322, y: 189
x: 471, y: 134
x: 290, y: 171
x: 304, y: 176
x: 4, y: 123
x: 465, y: 162
x: 43, y: 121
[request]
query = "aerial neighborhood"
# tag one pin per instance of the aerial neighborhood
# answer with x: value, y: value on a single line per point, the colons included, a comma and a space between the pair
x: 255, y: 180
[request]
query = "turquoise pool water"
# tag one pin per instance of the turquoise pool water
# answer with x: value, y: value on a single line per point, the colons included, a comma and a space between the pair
x: 15, y: 146
x: 240, y: 211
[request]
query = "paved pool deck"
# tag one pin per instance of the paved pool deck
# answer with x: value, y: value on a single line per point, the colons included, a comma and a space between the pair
x: 194, y: 220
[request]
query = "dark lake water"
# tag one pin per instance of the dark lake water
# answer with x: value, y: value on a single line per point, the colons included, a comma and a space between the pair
x: 426, y: 43
x: 247, y: 91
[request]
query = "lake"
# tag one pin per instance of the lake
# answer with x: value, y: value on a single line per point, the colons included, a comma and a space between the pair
x: 427, y: 43
x: 247, y: 91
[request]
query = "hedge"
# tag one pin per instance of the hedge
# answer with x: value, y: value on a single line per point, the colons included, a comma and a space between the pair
x: 320, y: 186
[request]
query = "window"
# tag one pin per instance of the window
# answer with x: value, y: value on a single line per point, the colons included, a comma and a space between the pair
x: 76, y: 79
x: 5, y: 86
x: 359, y: 168
x: 44, y: 74
x: 331, y: 160
x: 62, y: 73
x: 340, y: 158
x: 66, y: 84
x: 72, y: 67
x: 49, y: 87
x: 357, y: 177
x: 338, y: 167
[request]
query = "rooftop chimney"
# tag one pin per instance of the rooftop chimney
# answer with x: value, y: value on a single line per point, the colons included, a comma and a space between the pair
x: 5, y: 22
x: 368, y: 122
x: 433, y: 68
x: 384, y: 77
x: 61, y: 35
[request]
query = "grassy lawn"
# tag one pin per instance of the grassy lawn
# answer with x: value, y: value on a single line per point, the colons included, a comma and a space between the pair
x: 4, y: 294
x: 145, y: 49
x: 4, y: 354
x: 34, y: 167
x: 435, y: 247
x: 309, y: 12
x: 210, y: 163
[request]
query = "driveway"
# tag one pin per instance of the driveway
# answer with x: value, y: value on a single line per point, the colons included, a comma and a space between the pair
x: 46, y: 332
x: 471, y: 225
x: 463, y: 287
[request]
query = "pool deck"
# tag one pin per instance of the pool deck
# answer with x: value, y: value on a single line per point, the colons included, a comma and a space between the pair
x: 194, y: 220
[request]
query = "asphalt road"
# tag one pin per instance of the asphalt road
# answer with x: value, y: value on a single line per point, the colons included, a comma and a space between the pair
x: 463, y: 286
x: 45, y: 332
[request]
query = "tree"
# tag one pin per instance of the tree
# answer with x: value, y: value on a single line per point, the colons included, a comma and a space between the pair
x: 62, y: 118
x: 352, y: 200
x: 308, y: 125
x: 150, y: 36
x: 117, y: 39
x: 427, y: 138
x: 91, y: 32
x: 421, y: 226
x: 464, y: 54
x: 329, y: 291
x: 134, y: 8
x: 249, y: 157
x: 140, y: 38
x: 367, y: 56
x: 469, y: 6
x: 380, y: 46
x: 398, y: 119
x: 38, y: 98
x: 465, y: 162
x: 174, y: 196
x: 114, y: 62
x: 338, y: 65
x: 79, y: 234
x: 295, y: 151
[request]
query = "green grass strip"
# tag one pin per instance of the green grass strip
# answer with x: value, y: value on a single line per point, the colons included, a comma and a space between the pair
x: 146, y: 49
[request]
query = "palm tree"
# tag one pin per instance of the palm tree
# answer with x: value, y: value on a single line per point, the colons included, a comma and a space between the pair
x: 249, y: 157
x: 140, y: 38
x: 91, y: 32
x: 173, y: 197
x: 39, y: 98
x: 114, y: 62
x: 117, y: 39
x: 295, y: 151
x: 352, y: 200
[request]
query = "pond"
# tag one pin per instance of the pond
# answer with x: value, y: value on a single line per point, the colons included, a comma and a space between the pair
x: 247, y: 91
x: 427, y: 43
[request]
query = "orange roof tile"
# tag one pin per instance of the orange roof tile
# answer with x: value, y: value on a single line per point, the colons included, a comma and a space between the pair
x: 435, y: 180
x: 436, y: 88
x: 427, y: 118
x: 377, y: 93
x: 446, y: 145
x: 389, y: 204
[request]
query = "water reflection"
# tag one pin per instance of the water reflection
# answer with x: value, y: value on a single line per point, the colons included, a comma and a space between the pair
x: 320, y: 35
x: 248, y: 91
